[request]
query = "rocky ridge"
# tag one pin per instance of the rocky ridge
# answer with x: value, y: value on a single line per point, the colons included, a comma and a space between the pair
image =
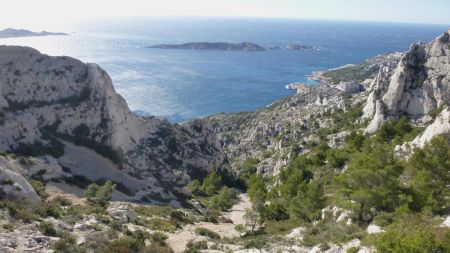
x: 48, y: 103
x: 13, y: 33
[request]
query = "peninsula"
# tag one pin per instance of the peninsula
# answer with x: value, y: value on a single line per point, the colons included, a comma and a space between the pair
x: 13, y: 33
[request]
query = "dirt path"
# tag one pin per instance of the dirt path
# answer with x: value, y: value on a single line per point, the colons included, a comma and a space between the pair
x: 237, y: 212
x: 179, y: 240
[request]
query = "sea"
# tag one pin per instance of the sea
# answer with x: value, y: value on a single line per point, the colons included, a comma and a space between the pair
x: 185, y: 84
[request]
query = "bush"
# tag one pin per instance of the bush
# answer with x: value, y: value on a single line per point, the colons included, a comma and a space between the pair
x: 240, y: 228
x: 24, y: 210
x: 156, y: 248
x: 47, y: 229
x: 158, y: 237
x: 414, y: 234
x: 125, y: 244
x: 100, y: 195
x: 257, y: 242
x: 370, y: 182
x: 8, y: 226
x: 224, y: 200
x: 431, y: 167
x: 39, y: 187
x: 208, y: 233
x: 211, y: 184
x: 195, y: 247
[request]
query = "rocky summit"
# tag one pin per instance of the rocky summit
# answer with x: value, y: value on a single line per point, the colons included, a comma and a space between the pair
x: 358, y: 163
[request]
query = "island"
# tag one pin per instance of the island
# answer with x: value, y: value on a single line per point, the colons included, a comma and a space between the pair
x: 224, y: 46
x: 244, y: 46
x: 14, y: 33
x: 301, y: 47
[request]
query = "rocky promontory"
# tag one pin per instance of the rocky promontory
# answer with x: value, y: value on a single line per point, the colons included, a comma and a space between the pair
x: 13, y: 33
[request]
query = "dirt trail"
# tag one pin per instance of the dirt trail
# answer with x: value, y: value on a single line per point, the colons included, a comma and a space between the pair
x: 236, y: 214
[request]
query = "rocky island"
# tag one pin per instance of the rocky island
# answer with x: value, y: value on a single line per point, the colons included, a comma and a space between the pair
x: 13, y: 33
x: 326, y: 170
x: 245, y: 46
x: 223, y: 46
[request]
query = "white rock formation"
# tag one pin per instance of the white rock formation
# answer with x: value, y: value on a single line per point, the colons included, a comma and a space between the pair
x: 13, y: 184
x: 46, y: 101
x: 374, y: 229
x: 418, y: 84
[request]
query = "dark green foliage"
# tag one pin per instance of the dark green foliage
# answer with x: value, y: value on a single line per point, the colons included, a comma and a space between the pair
x: 196, y: 247
x: 337, y: 157
x: 431, y: 168
x: 224, y: 200
x: 414, y: 233
x: 194, y: 186
x: 257, y: 191
x: 100, y: 195
x: 396, y: 131
x: 7, y: 181
x: 370, y: 182
x: 212, y: 184
x: 248, y: 168
x: 308, y: 202
x: 48, y: 229
x: 55, y: 148
x: 435, y: 112
x: 39, y: 187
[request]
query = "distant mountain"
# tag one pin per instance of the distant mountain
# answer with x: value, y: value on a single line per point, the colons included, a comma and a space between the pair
x: 245, y: 46
x: 12, y: 33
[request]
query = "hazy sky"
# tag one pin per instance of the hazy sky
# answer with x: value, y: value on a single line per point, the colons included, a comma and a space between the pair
x: 40, y: 14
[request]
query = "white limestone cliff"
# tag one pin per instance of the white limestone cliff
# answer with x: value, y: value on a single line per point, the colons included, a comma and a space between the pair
x: 418, y: 84
x: 48, y: 101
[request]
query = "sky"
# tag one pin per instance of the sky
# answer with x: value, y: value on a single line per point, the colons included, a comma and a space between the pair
x: 46, y: 14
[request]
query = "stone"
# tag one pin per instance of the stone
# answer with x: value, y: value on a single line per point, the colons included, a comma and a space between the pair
x: 374, y: 229
x: 122, y: 212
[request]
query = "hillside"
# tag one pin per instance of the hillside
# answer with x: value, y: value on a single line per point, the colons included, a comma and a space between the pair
x: 329, y: 169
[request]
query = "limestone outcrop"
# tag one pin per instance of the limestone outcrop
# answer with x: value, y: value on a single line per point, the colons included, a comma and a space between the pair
x: 49, y: 103
x: 418, y: 84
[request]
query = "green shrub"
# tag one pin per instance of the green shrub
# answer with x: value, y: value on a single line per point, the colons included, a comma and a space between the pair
x: 8, y: 226
x: 47, y: 229
x: 158, y: 237
x: 7, y: 181
x: 100, y: 195
x: 124, y: 245
x: 240, y: 228
x: 414, y: 234
x: 431, y: 168
x: 257, y: 242
x: 39, y: 187
x: 281, y: 227
x: 156, y: 248
x: 195, y: 247
x: 208, y: 233
x: 212, y: 184
x: 224, y: 200
x: 159, y: 224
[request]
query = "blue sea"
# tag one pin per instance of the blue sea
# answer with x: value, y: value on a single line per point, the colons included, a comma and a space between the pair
x: 187, y: 84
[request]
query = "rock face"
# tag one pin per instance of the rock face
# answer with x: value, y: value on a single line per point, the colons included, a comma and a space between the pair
x: 419, y: 83
x: 13, y: 184
x: 12, y: 33
x: 245, y: 46
x: 48, y: 101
